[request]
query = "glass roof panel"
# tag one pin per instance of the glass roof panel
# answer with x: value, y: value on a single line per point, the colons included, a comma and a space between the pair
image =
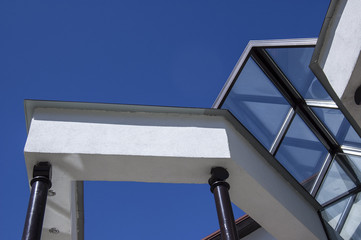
x: 339, y: 126
x: 352, y: 227
x: 352, y: 138
x: 335, y: 183
x: 355, y: 163
x: 257, y: 103
x: 301, y: 153
x: 294, y: 64
x: 333, y: 213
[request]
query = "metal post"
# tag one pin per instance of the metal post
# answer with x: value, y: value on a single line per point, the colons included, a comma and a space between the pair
x: 223, y: 203
x: 40, y: 184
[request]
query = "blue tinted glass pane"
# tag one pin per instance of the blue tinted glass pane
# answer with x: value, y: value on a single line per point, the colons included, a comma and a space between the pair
x: 333, y: 213
x: 294, y: 64
x: 352, y: 228
x: 335, y: 183
x: 257, y: 104
x: 352, y: 138
x: 355, y: 163
x: 301, y: 153
x: 339, y: 126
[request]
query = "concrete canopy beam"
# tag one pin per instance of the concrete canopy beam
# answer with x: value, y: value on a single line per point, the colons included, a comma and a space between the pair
x: 171, y: 145
x: 337, y: 61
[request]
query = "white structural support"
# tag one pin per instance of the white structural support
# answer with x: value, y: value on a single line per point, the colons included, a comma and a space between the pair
x: 336, y: 60
x: 107, y: 142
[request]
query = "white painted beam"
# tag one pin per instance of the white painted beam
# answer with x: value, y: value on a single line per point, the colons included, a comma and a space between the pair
x: 337, y: 60
x: 150, y: 146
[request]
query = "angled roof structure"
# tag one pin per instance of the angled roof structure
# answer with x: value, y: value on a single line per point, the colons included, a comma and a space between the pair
x: 274, y: 94
x: 286, y: 126
x: 86, y: 141
x: 299, y: 99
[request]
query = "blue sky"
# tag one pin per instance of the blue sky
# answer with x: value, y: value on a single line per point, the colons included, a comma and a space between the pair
x: 169, y: 53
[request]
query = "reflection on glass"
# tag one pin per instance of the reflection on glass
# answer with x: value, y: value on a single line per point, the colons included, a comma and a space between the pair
x: 257, y: 104
x: 352, y: 138
x: 352, y: 227
x: 294, y: 64
x: 301, y: 153
x: 339, y: 126
x: 355, y: 163
x: 333, y: 213
x: 335, y: 183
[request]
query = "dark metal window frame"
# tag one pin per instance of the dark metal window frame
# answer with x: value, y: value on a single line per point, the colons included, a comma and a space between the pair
x: 302, y: 107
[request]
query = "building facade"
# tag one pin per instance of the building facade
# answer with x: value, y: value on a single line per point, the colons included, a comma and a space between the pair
x: 286, y: 126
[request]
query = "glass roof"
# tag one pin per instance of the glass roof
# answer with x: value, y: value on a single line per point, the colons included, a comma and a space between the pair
x: 336, y: 182
x: 339, y: 126
x: 301, y: 153
x: 281, y: 102
x: 292, y: 61
x: 253, y: 97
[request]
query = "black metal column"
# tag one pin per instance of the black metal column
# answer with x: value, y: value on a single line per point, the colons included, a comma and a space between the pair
x: 219, y: 187
x: 40, y: 184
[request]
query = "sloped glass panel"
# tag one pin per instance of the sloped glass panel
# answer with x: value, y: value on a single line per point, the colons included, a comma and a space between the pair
x: 355, y: 163
x: 335, y: 183
x: 333, y: 213
x: 352, y: 138
x: 352, y: 227
x: 257, y: 103
x: 338, y: 125
x: 301, y: 153
x: 294, y: 62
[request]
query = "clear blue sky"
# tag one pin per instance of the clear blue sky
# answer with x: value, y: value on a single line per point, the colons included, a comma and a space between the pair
x: 169, y: 53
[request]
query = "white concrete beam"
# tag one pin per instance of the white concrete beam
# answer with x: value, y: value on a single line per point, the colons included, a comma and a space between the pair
x: 337, y: 60
x: 160, y: 147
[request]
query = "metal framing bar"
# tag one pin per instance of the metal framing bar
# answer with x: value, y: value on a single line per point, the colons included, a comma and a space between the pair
x: 295, y: 99
x: 341, y: 197
x: 346, y: 211
x: 343, y: 161
x: 351, y: 150
x: 321, y: 175
x: 343, y: 130
x: 257, y: 52
x: 282, y: 132
x: 271, y: 160
x: 277, y: 77
x: 244, y: 57
x: 255, y: 49
x: 319, y: 103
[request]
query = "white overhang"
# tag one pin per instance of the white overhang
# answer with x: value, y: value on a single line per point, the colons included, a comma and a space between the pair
x: 110, y: 142
x: 337, y: 61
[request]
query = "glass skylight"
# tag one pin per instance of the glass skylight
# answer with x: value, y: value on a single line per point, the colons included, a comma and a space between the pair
x: 336, y: 183
x: 280, y: 101
x: 257, y: 103
x: 355, y: 163
x: 352, y: 229
x: 339, y: 126
x: 301, y: 153
x: 333, y: 213
x: 293, y: 62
